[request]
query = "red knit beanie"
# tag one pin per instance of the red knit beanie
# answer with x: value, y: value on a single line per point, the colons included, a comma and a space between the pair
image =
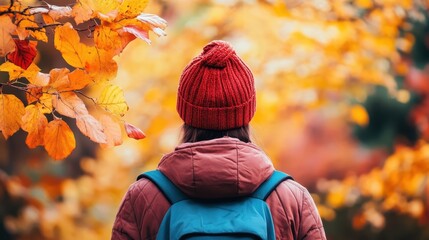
x: 216, y: 90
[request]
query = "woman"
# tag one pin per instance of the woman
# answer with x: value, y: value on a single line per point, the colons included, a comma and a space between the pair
x: 216, y: 101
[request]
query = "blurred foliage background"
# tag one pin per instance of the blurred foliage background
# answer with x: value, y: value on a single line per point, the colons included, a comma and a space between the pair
x: 342, y: 105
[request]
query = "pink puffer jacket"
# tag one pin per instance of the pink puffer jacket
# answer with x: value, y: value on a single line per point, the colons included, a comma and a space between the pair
x: 224, y: 167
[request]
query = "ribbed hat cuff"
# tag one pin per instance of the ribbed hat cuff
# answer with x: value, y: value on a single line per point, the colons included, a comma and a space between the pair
x: 222, y: 118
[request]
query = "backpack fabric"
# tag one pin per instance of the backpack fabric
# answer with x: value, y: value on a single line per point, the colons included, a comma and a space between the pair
x: 237, y: 218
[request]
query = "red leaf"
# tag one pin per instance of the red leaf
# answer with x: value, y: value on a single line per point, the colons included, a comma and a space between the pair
x: 134, y: 132
x: 24, y: 53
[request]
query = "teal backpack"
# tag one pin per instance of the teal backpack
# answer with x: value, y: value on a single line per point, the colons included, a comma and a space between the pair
x: 238, y: 218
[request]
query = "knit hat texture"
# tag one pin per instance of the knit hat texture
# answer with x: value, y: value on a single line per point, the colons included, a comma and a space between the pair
x: 216, y: 90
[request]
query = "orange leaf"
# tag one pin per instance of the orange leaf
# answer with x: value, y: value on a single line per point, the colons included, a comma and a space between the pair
x: 137, y: 32
x: 91, y: 128
x: 134, y: 132
x: 67, y: 41
x: 112, y: 129
x: 33, y: 93
x: 59, y: 139
x: 57, y: 75
x: 47, y: 19
x: 81, y: 13
x: 24, y: 53
x: 34, y: 122
x: 30, y: 22
x: 69, y: 104
x: 98, y: 62
x: 75, y: 80
x: 7, y: 44
x: 11, y: 112
x: 106, y: 38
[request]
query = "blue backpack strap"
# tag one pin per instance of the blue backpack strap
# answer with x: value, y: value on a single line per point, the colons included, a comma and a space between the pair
x: 170, y: 191
x: 265, y: 189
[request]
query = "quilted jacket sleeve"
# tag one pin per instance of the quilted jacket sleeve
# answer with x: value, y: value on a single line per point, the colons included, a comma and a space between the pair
x: 294, y: 213
x: 140, y: 213
x: 311, y: 227
x: 125, y: 226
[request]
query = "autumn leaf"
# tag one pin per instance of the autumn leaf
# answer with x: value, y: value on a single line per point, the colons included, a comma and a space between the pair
x: 132, y: 8
x: 34, y: 122
x: 97, y: 62
x: 59, y: 139
x: 137, y: 32
x: 106, y: 38
x: 16, y: 72
x: 57, y: 75
x: 7, y: 44
x: 45, y: 103
x: 33, y: 93
x: 30, y: 23
x: 112, y: 99
x: 24, y: 53
x: 81, y: 13
x: 67, y: 41
x: 41, y: 79
x: 75, y: 80
x: 69, y: 104
x: 133, y: 132
x: 154, y: 22
x: 47, y: 19
x: 112, y: 130
x: 57, y: 12
x: 11, y: 112
x: 101, y: 66
x: 91, y: 128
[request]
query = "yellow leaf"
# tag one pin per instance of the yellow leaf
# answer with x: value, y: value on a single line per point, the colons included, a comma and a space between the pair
x: 132, y: 8
x: 34, y: 122
x: 112, y: 99
x: 91, y: 128
x: 359, y: 115
x: 11, y: 112
x: 16, y: 72
x: 59, y: 139
x: 101, y: 6
x: 69, y: 104
x: 7, y: 44
x: 112, y: 129
x: 45, y: 103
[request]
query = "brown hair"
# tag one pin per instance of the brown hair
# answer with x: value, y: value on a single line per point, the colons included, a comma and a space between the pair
x: 192, y: 134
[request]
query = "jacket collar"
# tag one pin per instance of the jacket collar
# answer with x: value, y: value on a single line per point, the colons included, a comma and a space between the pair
x: 218, y: 168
